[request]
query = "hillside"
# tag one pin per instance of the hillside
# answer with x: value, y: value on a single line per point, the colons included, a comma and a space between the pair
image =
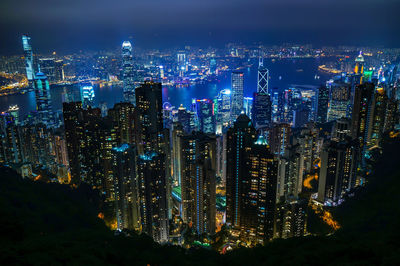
x: 44, y: 223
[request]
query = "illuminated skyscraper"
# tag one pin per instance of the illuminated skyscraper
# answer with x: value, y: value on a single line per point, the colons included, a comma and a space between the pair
x: 337, y: 172
x: 240, y: 138
x: 149, y: 125
x: 128, y: 72
x: 224, y: 107
x: 126, y: 188
x: 237, y: 94
x: 339, y: 102
x: 43, y: 99
x: 323, y: 102
x: 26, y: 43
x: 248, y: 106
x: 262, y: 108
x: 205, y: 114
x: 262, y: 78
x: 87, y: 94
x: 198, y: 175
x: 122, y: 115
x: 153, y: 195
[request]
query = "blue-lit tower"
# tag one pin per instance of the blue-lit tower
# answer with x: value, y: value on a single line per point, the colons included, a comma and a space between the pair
x: 128, y: 73
x: 43, y: 99
x: 26, y: 43
x: 87, y: 94
x: 237, y: 94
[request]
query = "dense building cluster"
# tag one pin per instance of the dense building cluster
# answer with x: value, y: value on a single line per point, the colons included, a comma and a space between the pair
x: 163, y: 171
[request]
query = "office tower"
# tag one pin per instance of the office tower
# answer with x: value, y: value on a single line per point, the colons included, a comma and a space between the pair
x: 262, y: 108
x: 300, y: 117
x: 152, y: 141
x: 87, y: 95
x: 186, y: 119
x: 149, y: 123
x: 198, y: 185
x: 278, y: 137
x: 262, y: 78
x: 224, y: 107
x: 128, y: 74
x: 258, y: 193
x: 122, y: 115
x: 126, y: 190
x: 205, y: 115
x: 309, y: 145
x: 90, y: 139
x: 291, y: 170
x: 26, y: 43
x: 153, y: 196
x: 248, y: 106
x: 240, y: 137
x: 362, y: 110
x: 43, y: 99
x: 213, y: 66
x: 237, y: 94
x: 377, y: 121
x: 341, y: 129
x: 337, y: 172
x: 323, y: 103
x: 339, y: 102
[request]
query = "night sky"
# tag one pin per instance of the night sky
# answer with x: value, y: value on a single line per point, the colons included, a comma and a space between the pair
x: 102, y: 24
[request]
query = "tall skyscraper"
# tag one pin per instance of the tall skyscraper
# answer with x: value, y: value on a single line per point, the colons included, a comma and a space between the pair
x: 122, y: 115
x: 149, y: 118
x: 153, y: 195
x: 87, y: 95
x: 43, y: 99
x: 198, y: 185
x: 154, y: 171
x: 224, y: 107
x: 338, y: 170
x: 240, y: 137
x: 262, y: 108
x: 262, y: 78
x: 30, y: 73
x: 126, y: 187
x: 323, y: 102
x: 128, y: 72
x: 206, y: 116
x: 258, y: 193
x: 361, y: 118
x: 237, y: 94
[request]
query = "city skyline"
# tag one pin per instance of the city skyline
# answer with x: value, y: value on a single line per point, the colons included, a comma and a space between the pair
x: 209, y: 148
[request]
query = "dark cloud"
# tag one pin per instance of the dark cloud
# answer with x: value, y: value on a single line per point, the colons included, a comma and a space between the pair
x: 98, y: 24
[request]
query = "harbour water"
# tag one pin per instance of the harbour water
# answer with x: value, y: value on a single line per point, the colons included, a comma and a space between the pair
x: 284, y: 73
